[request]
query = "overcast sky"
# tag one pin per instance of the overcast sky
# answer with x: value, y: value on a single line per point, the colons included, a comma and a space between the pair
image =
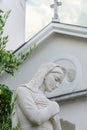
x: 39, y: 14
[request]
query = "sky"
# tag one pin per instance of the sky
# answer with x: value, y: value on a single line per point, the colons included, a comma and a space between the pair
x: 39, y: 14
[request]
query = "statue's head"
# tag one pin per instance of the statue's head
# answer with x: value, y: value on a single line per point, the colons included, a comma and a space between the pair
x: 54, y: 78
x: 50, y: 76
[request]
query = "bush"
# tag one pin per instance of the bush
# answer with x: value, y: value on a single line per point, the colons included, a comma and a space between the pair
x: 5, y: 108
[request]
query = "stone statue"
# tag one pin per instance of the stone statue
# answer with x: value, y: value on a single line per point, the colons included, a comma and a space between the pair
x: 34, y: 111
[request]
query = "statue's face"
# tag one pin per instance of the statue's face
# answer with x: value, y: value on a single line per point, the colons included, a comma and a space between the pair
x: 52, y: 81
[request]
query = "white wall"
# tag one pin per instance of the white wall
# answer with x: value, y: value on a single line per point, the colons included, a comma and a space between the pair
x: 49, y: 49
x: 15, y: 26
x: 74, y: 112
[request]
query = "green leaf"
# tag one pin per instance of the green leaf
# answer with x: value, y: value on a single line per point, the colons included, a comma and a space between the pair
x: 1, y: 11
x: 6, y: 15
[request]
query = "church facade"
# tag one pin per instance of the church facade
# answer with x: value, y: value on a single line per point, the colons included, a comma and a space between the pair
x: 66, y: 45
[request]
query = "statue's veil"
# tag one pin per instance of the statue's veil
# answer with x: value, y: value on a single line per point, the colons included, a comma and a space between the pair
x: 38, y: 78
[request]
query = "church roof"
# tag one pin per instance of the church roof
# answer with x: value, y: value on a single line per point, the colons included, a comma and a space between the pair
x: 55, y: 27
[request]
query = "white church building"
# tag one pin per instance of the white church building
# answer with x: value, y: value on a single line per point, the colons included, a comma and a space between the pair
x: 67, y: 45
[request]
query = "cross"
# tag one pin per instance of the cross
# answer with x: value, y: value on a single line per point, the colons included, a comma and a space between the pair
x: 55, y: 6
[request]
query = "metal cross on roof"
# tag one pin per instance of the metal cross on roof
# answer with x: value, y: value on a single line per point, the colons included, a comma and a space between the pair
x: 55, y: 6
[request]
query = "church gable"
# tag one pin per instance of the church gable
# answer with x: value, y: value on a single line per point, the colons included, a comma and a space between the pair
x: 58, y: 47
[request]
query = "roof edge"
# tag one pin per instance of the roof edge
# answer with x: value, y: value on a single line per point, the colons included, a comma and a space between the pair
x: 66, y: 29
x: 70, y: 96
x: 55, y: 27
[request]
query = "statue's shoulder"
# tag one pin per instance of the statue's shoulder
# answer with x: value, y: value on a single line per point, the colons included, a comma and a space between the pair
x: 22, y: 89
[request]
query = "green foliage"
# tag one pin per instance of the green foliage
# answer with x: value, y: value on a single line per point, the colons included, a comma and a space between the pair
x: 9, y: 63
x: 3, y: 18
x: 5, y: 107
x: 23, y: 56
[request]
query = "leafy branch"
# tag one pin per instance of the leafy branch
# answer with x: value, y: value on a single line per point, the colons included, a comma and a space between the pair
x: 9, y: 63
